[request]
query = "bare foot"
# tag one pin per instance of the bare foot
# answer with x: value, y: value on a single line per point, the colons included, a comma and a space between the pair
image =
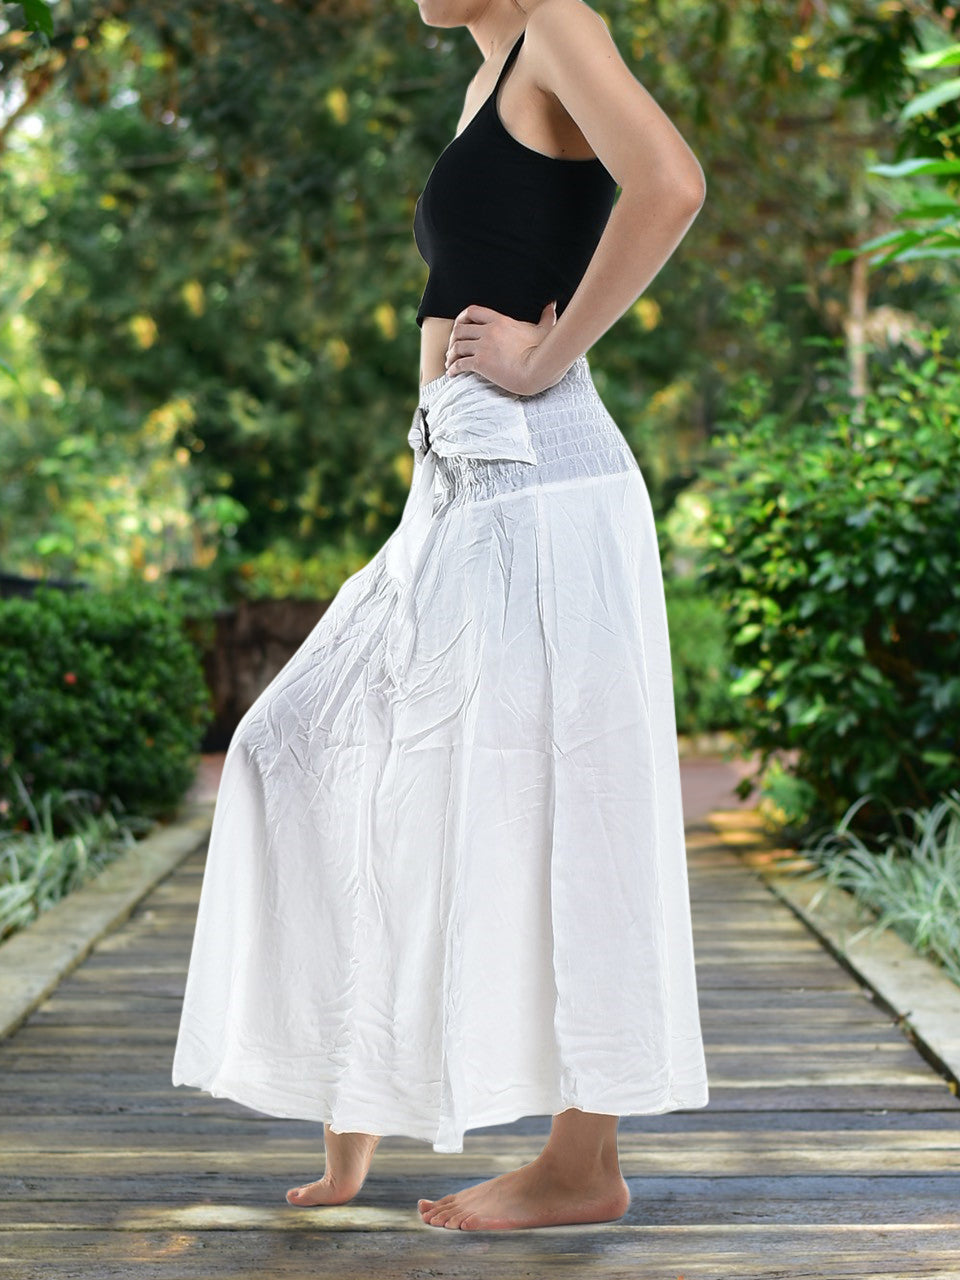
x: 532, y: 1196
x: 347, y: 1165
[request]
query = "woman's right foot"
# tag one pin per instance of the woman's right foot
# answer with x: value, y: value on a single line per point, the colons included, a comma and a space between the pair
x: 532, y: 1196
x: 348, y: 1157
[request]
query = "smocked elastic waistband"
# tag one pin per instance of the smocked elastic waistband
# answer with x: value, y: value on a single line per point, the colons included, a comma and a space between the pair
x: 579, y: 371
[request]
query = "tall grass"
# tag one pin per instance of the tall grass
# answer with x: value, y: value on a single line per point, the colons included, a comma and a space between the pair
x: 38, y: 868
x: 911, y: 878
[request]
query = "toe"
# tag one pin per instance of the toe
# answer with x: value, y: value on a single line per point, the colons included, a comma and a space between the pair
x: 428, y: 1207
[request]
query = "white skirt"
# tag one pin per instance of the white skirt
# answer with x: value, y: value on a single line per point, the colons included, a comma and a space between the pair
x: 446, y: 883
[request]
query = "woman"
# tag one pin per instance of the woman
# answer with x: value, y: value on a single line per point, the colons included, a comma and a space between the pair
x: 446, y: 883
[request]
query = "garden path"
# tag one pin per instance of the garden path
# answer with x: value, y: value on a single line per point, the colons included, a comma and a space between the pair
x: 829, y: 1148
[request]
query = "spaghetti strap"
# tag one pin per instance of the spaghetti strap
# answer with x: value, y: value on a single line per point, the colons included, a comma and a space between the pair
x: 508, y: 60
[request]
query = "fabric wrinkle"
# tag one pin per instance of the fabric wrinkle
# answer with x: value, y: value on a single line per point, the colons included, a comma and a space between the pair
x: 446, y: 878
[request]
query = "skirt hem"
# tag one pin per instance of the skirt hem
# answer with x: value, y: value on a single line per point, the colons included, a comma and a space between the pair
x: 692, y: 1096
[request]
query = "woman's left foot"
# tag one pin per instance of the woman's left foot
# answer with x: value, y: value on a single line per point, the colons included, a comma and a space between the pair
x: 348, y: 1157
x: 532, y: 1196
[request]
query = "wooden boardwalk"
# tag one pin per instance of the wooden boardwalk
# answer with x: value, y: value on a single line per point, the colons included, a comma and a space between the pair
x: 830, y: 1148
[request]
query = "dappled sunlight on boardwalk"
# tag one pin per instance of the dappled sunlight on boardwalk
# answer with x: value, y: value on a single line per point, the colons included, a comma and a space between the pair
x: 829, y: 1148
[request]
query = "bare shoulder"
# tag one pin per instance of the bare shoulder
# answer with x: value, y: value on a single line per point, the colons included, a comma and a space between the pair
x: 566, y: 23
x: 566, y: 40
x: 571, y: 55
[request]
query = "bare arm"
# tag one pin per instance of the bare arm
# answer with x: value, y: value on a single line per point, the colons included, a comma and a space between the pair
x: 662, y: 184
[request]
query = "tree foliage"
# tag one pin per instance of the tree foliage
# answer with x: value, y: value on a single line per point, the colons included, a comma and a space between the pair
x: 834, y: 547
x: 210, y: 280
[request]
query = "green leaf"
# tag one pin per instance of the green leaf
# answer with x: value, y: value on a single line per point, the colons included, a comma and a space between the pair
x: 37, y: 16
x: 913, y: 167
x: 933, y: 98
x: 746, y: 683
x: 748, y: 633
x: 948, y: 56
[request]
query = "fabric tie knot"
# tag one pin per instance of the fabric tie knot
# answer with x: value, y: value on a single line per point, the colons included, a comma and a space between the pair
x: 470, y: 417
x: 417, y: 435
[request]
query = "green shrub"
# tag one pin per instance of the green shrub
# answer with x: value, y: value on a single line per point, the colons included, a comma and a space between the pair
x: 700, y: 654
x: 102, y: 692
x: 835, y: 546
x: 281, y: 570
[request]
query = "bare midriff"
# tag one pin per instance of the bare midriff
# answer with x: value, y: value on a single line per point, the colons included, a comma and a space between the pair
x: 434, y: 340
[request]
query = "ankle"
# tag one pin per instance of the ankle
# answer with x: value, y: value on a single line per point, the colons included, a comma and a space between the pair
x: 577, y: 1170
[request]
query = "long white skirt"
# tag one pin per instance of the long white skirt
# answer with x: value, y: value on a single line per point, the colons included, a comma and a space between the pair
x: 446, y: 884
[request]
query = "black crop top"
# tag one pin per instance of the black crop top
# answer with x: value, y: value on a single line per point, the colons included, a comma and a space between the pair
x: 505, y: 226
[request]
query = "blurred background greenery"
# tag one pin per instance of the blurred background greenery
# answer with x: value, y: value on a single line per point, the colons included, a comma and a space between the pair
x: 208, y: 354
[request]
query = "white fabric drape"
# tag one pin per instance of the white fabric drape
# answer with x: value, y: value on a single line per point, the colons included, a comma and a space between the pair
x: 446, y: 884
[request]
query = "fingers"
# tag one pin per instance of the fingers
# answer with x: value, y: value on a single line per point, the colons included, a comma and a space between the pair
x: 461, y: 347
x: 477, y: 313
x: 466, y: 329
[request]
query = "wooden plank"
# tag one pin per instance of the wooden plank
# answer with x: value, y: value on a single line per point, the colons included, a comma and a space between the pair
x: 829, y: 1149
x: 394, y: 1243
x: 200, y: 1106
x: 90, y: 1041
x: 33, y: 960
x: 100, y: 1171
x: 776, y: 1061
x: 693, y: 1201
x: 923, y: 992
x: 923, y: 1151
x: 792, y: 1072
x: 26, y: 1131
